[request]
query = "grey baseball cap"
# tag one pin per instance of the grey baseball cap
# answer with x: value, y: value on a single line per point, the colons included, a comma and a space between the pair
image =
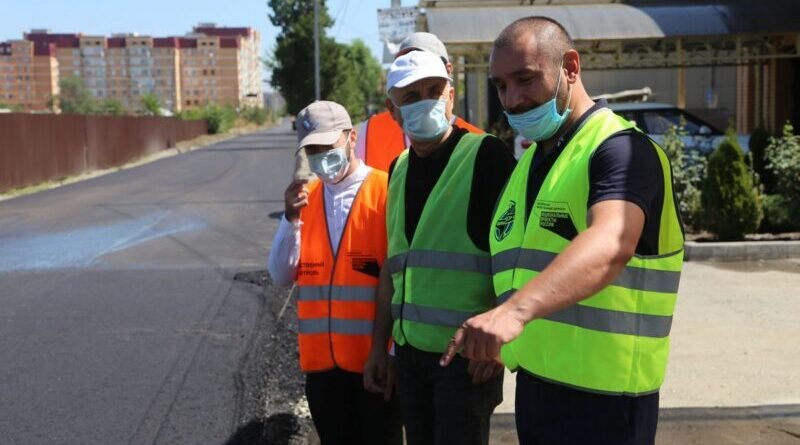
x: 424, y: 41
x: 321, y: 123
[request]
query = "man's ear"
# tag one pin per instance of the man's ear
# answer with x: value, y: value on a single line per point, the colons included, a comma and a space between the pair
x: 353, y: 137
x: 572, y: 65
x: 393, y: 110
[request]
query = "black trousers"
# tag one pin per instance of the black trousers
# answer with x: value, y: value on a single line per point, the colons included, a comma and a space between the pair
x: 344, y: 413
x: 550, y: 414
x: 441, y: 406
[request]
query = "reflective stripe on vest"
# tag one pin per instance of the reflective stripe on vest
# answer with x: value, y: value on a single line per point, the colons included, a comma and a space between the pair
x: 335, y: 326
x: 336, y: 294
x: 431, y: 315
x: 441, y: 278
x: 615, y: 322
x: 652, y: 280
x: 433, y: 259
x: 616, y: 341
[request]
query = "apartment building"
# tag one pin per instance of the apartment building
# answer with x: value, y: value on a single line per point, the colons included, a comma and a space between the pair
x: 222, y: 65
x: 28, y: 74
x: 211, y: 65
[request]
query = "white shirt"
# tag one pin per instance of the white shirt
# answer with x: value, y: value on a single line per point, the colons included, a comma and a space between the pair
x: 285, y: 252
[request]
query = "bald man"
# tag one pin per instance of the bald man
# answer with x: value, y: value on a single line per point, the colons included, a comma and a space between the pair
x: 587, y: 249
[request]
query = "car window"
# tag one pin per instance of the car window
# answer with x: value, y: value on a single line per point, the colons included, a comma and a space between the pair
x: 659, y: 121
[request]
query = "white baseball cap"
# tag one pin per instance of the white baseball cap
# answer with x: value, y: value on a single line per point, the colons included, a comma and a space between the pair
x: 424, y: 41
x: 414, y: 66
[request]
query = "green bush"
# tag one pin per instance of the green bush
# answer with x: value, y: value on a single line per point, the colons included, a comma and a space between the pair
x: 254, y: 115
x: 759, y: 140
x: 783, y: 161
x: 151, y: 105
x: 688, y: 172
x: 219, y: 119
x: 731, y: 202
x: 780, y: 214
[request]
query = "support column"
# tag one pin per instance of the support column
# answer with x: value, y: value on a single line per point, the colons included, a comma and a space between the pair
x: 681, y: 89
x: 456, y: 75
x: 481, y: 74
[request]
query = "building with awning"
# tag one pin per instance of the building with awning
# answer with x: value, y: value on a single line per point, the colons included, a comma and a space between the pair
x: 731, y: 61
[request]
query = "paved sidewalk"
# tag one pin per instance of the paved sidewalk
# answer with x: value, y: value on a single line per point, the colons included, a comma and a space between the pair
x: 734, y: 344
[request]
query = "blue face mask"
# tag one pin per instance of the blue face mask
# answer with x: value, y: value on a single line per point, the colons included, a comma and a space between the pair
x: 540, y: 123
x: 425, y: 120
x: 330, y: 165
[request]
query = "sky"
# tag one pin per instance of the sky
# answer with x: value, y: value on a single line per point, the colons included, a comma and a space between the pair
x: 353, y: 18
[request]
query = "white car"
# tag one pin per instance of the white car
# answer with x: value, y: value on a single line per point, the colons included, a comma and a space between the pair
x: 656, y: 118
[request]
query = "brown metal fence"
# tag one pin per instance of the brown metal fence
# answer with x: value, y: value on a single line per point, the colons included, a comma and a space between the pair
x: 39, y: 147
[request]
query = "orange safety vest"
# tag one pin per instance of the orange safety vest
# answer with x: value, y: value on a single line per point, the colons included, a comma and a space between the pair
x: 336, y: 298
x: 385, y: 139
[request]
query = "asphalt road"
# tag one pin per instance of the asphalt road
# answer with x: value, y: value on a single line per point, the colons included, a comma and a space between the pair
x: 120, y: 320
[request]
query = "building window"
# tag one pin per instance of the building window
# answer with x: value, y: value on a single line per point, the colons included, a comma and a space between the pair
x: 188, y: 102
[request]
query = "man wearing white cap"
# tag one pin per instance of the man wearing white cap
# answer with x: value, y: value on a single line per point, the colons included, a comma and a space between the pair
x: 441, y: 195
x: 381, y: 140
x: 332, y: 243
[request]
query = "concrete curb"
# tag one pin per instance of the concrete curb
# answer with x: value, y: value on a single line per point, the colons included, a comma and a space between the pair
x: 505, y: 421
x: 741, y: 250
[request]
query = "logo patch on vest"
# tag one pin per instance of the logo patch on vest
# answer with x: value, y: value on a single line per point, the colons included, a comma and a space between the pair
x: 556, y: 217
x: 365, y: 263
x: 506, y: 222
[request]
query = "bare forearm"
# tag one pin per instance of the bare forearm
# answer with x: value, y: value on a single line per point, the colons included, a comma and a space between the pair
x: 383, y: 311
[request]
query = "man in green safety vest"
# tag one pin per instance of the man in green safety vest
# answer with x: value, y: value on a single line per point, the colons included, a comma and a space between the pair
x: 587, y: 249
x: 441, y: 197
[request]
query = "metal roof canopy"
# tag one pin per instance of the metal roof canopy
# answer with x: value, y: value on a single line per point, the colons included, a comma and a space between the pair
x: 621, y: 21
x: 649, y: 34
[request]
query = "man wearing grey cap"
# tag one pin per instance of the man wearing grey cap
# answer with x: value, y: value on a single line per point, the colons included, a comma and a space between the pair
x: 380, y: 138
x: 332, y: 243
x: 442, y: 193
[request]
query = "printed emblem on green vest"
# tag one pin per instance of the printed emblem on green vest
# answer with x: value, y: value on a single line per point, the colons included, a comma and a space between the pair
x: 506, y: 222
x: 556, y: 217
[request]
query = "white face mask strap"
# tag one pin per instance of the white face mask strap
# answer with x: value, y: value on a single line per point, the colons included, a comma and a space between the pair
x: 558, y: 82
x: 558, y: 85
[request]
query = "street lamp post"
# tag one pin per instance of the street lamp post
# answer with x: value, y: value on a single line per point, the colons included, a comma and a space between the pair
x: 316, y: 49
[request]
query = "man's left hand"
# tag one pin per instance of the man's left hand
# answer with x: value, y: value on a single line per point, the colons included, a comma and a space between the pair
x: 482, y: 336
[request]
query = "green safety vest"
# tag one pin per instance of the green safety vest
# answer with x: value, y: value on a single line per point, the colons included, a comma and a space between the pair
x: 441, y: 279
x: 616, y: 341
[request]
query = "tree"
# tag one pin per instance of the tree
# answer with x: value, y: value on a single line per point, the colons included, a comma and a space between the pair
x: 783, y: 161
x: 111, y: 107
x: 688, y: 172
x: 292, y: 63
x: 367, y: 73
x: 730, y: 199
x: 759, y: 139
x: 75, y: 98
x: 151, y: 105
x: 349, y: 74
